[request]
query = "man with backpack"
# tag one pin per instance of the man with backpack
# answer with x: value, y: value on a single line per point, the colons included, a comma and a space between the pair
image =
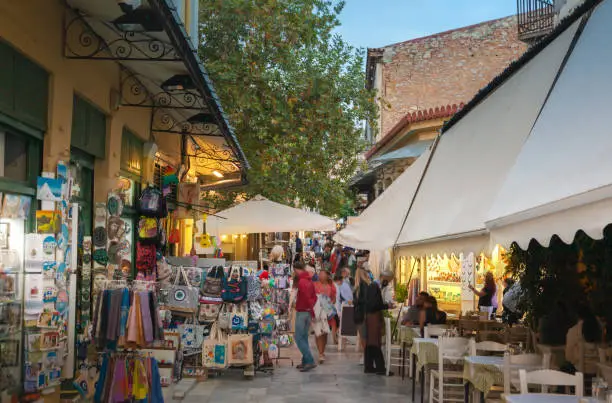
x: 304, y: 307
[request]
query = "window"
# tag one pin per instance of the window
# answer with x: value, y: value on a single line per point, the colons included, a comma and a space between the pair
x: 20, y: 161
x: 88, y: 128
x: 14, y: 163
x: 82, y: 169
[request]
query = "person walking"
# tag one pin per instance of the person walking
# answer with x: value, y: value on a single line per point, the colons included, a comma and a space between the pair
x: 326, y: 292
x: 304, y: 304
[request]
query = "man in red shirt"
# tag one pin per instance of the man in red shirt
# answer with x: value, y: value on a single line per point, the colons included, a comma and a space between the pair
x: 304, y: 304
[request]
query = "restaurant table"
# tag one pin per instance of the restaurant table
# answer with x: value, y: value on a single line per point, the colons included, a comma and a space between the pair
x: 406, y: 336
x: 547, y: 398
x: 424, y: 351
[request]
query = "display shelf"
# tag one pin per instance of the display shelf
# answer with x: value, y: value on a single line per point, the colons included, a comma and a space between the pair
x: 447, y: 283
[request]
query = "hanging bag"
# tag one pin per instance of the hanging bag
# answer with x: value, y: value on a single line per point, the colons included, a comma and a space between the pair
x: 152, y: 203
x: 234, y: 287
x: 192, y: 336
x: 212, y: 285
x: 239, y: 318
x: 208, y: 312
x: 148, y: 230
x: 253, y: 288
x: 182, y: 298
x: 240, y: 348
x: 214, y: 350
x: 224, y: 322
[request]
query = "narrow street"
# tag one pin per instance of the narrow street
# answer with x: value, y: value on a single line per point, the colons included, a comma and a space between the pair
x: 340, y: 380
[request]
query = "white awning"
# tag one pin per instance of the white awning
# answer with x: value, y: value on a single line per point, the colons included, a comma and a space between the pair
x: 262, y: 215
x: 409, y: 151
x: 378, y: 226
x: 473, y: 157
x: 562, y: 179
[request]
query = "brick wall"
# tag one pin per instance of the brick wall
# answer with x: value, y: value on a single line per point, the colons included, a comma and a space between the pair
x: 445, y: 68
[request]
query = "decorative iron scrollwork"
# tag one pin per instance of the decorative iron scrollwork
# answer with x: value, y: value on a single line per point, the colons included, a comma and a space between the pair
x: 211, y: 157
x: 81, y: 41
x: 164, y: 121
x: 139, y: 90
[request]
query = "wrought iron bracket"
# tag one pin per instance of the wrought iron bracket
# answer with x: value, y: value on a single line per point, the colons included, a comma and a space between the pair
x: 140, y: 91
x: 165, y: 121
x: 81, y: 41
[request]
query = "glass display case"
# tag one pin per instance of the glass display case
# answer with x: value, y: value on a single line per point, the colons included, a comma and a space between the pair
x: 444, y: 281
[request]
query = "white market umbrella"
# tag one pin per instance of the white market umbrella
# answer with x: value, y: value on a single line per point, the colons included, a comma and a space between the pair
x: 262, y: 215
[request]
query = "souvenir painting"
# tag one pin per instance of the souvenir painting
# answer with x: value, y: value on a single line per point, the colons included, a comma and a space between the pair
x: 10, y: 208
x: 114, y: 205
x: 34, y: 341
x: 49, y: 340
x: 45, y: 221
x: 49, y: 270
x: 49, y: 244
x: 63, y: 237
x: 49, y: 294
x: 24, y: 207
x: 48, y: 189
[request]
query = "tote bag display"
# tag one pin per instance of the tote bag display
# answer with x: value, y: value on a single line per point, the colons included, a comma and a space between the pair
x: 240, y: 349
x: 234, y: 287
x: 192, y: 336
x: 214, y: 350
x: 208, y: 312
x: 182, y: 298
x: 239, y: 318
x: 212, y: 284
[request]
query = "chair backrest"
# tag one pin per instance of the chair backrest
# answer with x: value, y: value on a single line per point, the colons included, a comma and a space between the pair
x: 548, y: 377
x: 487, y: 347
x: 605, y: 371
x: 519, y: 334
x: 468, y: 326
x: 491, y: 335
x: 513, y: 363
x: 434, y: 330
x: 453, y: 348
x: 588, y: 356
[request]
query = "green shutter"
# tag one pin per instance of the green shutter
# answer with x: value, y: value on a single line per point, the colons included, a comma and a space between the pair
x: 24, y: 88
x: 88, y: 128
x: 131, y: 153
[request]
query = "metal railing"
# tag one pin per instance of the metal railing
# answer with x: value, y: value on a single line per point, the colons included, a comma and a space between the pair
x: 536, y: 18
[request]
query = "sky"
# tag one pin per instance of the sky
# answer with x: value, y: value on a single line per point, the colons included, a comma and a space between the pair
x: 376, y: 23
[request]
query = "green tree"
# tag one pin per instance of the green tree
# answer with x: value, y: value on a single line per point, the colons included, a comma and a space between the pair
x: 294, y: 92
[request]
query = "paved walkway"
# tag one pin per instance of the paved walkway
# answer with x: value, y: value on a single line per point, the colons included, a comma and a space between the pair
x: 339, y: 380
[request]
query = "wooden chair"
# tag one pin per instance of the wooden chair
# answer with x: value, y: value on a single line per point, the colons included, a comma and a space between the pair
x: 588, y: 359
x: 393, y: 352
x: 519, y: 334
x: 548, y: 377
x: 468, y: 327
x: 446, y: 382
x: 491, y: 335
x: 487, y: 347
x: 434, y: 330
x: 513, y: 363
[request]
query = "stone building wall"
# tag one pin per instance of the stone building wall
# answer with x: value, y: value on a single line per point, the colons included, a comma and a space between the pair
x: 443, y: 69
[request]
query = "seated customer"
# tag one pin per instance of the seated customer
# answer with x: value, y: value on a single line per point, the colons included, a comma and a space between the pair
x: 430, y: 314
x: 586, y: 331
x: 411, y: 318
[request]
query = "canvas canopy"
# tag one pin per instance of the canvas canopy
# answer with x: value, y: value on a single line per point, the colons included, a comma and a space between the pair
x: 561, y: 181
x: 262, y: 215
x: 378, y: 225
x: 473, y: 158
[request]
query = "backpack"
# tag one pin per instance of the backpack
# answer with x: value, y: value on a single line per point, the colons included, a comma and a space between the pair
x: 152, y: 203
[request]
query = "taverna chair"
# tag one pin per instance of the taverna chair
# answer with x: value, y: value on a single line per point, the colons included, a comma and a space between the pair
x: 446, y: 382
x: 549, y: 377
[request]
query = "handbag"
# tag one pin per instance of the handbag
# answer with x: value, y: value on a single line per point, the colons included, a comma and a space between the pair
x: 240, y: 348
x: 212, y: 284
x: 192, y: 336
x: 234, y: 287
x: 253, y: 289
x: 214, y: 350
x: 223, y: 321
x: 239, y: 318
x: 182, y: 298
x: 208, y: 312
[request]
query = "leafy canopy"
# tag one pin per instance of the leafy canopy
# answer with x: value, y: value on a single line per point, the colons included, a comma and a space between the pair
x: 294, y: 92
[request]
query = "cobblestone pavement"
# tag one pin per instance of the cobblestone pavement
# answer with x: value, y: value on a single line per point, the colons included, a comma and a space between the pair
x: 339, y: 380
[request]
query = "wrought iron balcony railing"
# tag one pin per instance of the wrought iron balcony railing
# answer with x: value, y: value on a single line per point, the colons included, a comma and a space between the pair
x: 536, y: 18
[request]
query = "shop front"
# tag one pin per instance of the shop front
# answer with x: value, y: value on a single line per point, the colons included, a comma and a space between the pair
x: 83, y: 124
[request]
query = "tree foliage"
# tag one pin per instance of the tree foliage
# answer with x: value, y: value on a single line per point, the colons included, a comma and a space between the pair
x: 294, y: 93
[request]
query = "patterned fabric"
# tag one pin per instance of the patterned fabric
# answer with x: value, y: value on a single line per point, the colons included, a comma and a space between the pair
x: 483, y: 373
x: 254, y: 289
x: 426, y: 352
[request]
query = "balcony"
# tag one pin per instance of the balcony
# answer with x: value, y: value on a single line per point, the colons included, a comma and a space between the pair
x: 536, y: 18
